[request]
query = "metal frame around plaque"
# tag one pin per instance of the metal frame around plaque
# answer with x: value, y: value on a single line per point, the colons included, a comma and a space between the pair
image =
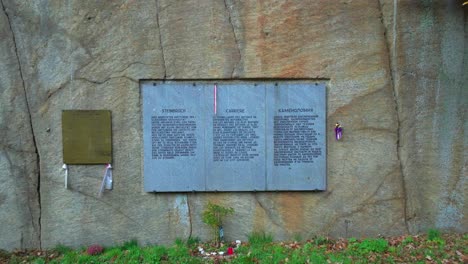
x: 234, y: 136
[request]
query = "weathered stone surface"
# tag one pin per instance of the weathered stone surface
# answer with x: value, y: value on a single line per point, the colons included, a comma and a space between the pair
x: 401, y: 129
x: 429, y: 52
x: 19, y: 206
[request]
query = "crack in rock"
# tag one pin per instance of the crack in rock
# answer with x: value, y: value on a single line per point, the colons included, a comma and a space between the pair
x: 361, y: 208
x: 13, y: 149
x: 52, y: 93
x: 61, y: 87
x: 109, y: 205
x: 189, y: 211
x: 28, y: 106
x: 163, y: 56
x: 236, y: 38
x: 268, y: 213
x: 391, y: 66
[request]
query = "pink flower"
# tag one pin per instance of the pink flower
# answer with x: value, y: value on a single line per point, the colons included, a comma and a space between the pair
x: 94, y: 250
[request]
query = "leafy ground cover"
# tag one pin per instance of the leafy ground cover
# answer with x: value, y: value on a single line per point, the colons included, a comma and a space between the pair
x: 429, y: 248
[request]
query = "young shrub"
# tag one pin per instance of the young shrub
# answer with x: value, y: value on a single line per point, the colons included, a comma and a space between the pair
x: 213, y: 216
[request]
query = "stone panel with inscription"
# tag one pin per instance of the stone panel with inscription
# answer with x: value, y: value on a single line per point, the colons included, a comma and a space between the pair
x: 173, y: 137
x: 234, y: 136
x: 235, y: 139
x: 296, y: 137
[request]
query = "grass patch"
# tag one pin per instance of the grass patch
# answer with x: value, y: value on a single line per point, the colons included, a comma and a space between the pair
x: 262, y: 249
x: 111, y: 253
x: 62, y: 249
x: 370, y: 245
x: 321, y: 241
x: 129, y: 244
x: 193, y: 241
x: 260, y: 238
x: 433, y: 234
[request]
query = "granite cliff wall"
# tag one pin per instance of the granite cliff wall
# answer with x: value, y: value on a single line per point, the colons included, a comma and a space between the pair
x: 397, y: 81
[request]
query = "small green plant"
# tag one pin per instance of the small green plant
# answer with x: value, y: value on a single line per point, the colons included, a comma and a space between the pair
x: 14, y: 260
x: 193, y: 241
x: 371, y: 245
x: 408, y: 240
x: 278, y: 253
x: 111, y: 253
x: 297, y: 237
x: 260, y: 238
x: 179, y: 242
x: 84, y: 259
x: 213, y: 216
x: 178, y: 253
x: 321, y: 240
x: 69, y: 257
x: 298, y: 257
x: 129, y: 244
x: 390, y: 259
x: 154, y: 254
x: 62, y: 249
x: 317, y: 257
x: 433, y: 234
x: 336, y: 259
x: 39, y: 261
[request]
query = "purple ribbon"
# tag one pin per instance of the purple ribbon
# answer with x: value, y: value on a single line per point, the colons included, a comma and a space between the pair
x: 338, y: 131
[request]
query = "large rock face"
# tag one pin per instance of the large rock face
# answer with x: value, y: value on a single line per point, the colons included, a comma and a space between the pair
x: 429, y: 53
x: 19, y: 175
x: 396, y: 77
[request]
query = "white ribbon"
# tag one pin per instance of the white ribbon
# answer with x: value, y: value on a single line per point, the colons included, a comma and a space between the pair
x: 109, y: 177
x: 65, y: 168
x: 106, y: 180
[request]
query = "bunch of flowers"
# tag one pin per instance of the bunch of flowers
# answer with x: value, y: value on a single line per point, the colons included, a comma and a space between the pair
x: 94, y: 250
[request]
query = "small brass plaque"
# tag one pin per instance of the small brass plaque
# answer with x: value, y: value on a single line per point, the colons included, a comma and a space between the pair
x: 87, y: 136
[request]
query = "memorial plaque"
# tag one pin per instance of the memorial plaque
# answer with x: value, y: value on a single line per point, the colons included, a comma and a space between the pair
x: 296, y: 137
x: 234, y: 136
x: 86, y: 136
x: 173, y: 137
x: 235, y: 141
